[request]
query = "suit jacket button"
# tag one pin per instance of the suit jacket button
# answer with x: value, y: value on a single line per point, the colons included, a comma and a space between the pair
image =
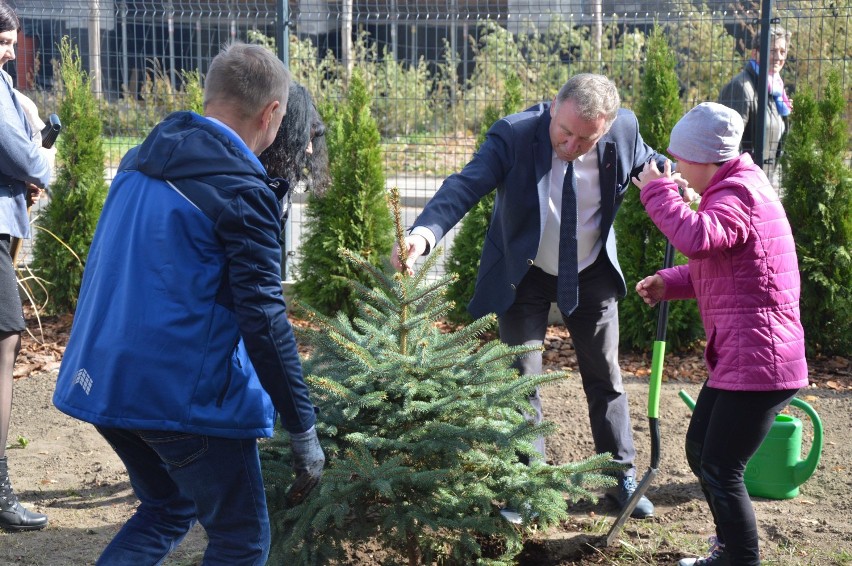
x: 512, y: 285
x: 530, y: 262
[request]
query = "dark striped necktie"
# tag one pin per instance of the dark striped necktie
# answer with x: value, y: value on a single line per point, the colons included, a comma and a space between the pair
x: 567, y: 286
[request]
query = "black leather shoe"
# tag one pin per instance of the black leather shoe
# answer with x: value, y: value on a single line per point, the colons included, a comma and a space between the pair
x: 16, y: 517
x: 13, y: 515
x: 621, y: 494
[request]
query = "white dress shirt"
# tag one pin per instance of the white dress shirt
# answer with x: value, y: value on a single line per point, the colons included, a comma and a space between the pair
x: 587, y: 179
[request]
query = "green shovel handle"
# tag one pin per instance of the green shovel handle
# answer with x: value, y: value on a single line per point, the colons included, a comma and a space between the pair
x: 659, y: 351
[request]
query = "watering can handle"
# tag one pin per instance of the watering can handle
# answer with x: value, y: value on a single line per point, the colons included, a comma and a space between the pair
x: 805, y: 468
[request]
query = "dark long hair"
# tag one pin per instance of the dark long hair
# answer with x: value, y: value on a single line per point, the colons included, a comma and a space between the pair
x: 286, y: 157
x: 8, y: 18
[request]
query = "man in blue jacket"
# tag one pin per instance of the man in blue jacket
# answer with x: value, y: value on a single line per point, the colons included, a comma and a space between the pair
x: 570, y: 159
x: 181, y: 352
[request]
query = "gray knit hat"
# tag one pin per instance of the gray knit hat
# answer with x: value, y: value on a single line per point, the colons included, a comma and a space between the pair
x: 709, y: 133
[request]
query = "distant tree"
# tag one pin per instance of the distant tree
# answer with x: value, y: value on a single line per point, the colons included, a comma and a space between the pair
x: 818, y: 201
x: 640, y: 244
x: 496, y: 55
x: 67, y: 225
x: 706, y: 57
x: 353, y: 214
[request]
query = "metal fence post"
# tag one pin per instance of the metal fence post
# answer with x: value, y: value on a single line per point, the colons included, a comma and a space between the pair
x: 762, y: 82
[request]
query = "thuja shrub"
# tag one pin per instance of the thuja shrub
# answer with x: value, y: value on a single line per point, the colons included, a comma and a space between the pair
x: 352, y: 214
x: 818, y: 199
x: 641, y: 245
x: 67, y: 224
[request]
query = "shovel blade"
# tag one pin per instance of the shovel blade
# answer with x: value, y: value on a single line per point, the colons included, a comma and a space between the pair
x: 643, y: 486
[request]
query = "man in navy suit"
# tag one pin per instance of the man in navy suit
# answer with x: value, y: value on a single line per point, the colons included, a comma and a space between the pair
x: 584, y: 148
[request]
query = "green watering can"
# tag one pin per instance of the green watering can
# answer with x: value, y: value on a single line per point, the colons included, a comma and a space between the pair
x: 776, y: 471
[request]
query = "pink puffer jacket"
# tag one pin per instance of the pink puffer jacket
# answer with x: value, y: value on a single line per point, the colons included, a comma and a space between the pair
x: 744, y: 273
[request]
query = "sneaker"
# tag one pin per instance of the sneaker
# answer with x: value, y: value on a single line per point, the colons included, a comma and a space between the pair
x: 627, y: 485
x: 717, y: 556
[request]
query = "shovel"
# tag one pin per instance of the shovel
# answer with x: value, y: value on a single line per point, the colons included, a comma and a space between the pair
x: 653, y: 410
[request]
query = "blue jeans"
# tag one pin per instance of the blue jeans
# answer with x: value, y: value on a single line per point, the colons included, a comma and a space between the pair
x: 180, y: 478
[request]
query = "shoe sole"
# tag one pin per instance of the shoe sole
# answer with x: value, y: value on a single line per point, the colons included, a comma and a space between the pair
x: 17, y: 528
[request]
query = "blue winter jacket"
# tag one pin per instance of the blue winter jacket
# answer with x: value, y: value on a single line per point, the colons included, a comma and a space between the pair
x: 181, y: 323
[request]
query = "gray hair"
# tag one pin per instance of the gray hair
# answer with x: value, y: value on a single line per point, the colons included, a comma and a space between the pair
x: 593, y: 95
x: 248, y: 77
x: 776, y: 32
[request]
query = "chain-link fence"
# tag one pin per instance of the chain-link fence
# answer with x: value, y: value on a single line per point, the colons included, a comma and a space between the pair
x: 433, y: 65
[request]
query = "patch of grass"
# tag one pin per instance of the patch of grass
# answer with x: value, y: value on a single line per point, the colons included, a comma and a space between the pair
x: 116, y: 147
x: 651, y: 542
x: 191, y: 561
x: 21, y: 442
x: 428, y: 154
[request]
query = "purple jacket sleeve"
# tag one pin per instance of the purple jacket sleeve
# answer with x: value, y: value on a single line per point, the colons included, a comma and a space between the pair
x: 678, y: 283
x: 720, y: 223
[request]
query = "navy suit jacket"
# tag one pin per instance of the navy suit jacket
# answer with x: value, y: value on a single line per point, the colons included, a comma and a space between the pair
x: 515, y: 157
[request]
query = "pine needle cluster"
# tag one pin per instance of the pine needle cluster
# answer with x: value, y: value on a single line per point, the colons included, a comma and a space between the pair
x: 422, y: 430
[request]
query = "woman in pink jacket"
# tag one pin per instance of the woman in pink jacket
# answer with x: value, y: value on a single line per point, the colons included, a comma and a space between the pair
x: 744, y: 274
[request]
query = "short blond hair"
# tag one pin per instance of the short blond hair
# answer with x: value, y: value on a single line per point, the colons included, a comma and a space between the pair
x: 248, y: 77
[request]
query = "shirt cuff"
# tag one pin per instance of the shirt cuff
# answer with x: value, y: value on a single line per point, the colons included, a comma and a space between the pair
x: 426, y: 233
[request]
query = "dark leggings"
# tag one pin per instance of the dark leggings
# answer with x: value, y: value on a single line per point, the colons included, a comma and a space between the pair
x: 726, y: 429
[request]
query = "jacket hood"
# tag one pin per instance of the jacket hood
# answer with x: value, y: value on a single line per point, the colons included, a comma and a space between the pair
x: 185, y: 145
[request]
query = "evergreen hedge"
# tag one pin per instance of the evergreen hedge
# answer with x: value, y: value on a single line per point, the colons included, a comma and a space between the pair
x: 640, y: 245
x: 353, y: 213
x: 67, y: 224
x: 818, y: 199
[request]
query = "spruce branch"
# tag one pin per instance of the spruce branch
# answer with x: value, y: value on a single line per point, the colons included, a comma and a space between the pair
x: 396, y: 212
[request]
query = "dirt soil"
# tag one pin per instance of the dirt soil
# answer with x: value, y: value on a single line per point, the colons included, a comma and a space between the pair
x: 62, y: 467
